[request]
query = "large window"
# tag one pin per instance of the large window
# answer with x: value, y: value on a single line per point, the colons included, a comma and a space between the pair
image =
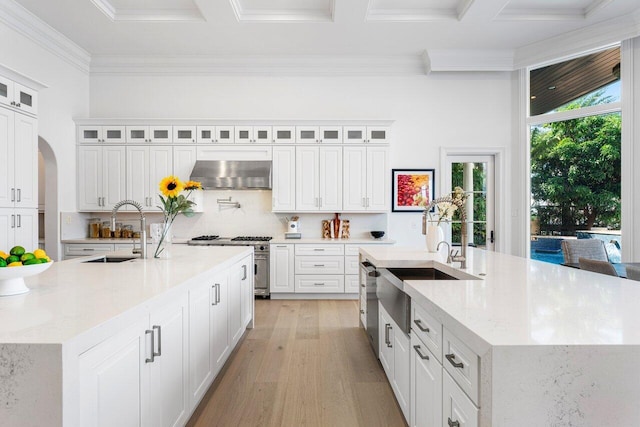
x: 575, y: 142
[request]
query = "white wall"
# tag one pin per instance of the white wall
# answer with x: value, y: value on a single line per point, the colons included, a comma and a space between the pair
x: 447, y: 109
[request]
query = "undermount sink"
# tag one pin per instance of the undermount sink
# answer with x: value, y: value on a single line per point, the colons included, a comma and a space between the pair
x: 426, y: 273
x: 106, y: 259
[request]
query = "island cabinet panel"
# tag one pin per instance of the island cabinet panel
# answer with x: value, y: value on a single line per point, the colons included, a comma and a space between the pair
x: 426, y: 386
x: 139, y: 376
x: 201, y: 365
x: 221, y: 339
x: 114, y: 380
x: 236, y: 326
x: 458, y: 409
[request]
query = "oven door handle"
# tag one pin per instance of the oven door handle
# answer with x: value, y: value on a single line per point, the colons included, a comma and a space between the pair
x: 255, y: 269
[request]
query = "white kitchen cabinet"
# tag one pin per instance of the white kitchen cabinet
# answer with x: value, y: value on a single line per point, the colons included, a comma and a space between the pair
x: 253, y: 135
x: 426, y: 386
x: 184, y: 158
x: 169, y: 403
x: 184, y: 134
x: 284, y: 134
x: 318, y: 178
x: 147, y: 134
x: 457, y: 409
x: 221, y: 338
x: 246, y: 284
x: 139, y: 376
x: 366, y: 135
x: 281, y: 268
x: 351, y: 284
x: 284, y: 183
x: 146, y: 167
x: 201, y: 362
x: 319, y: 134
x: 215, y: 134
x: 19, y: 227
x: 18, y: 160
x: 17, y: 96
x: 236, y: 327
x: 365, y: 171
x: 101, y: 134
x: 396, y: 359
x: 101, y: 177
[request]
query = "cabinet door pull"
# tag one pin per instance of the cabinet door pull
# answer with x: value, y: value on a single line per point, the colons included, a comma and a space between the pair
x: 159, y: 353
x: 215, y: 295
x: 320, y: 201
x: 367, y: 202
x: 386, y: 334
x: 453, y: 423
x: 418, y: 323
x: 218, y: 293
x: 316, y: 202
x: 244, y: 271
x: 150, y: 359
x: 13, y: 221
x: 19, y: 195
x: 13, y: 194
x: 361, y: 311
x: 364, y: 286
x: 19, y: 220
x: 422, y: 356
x: 450, y: 358
x: 364, y: 203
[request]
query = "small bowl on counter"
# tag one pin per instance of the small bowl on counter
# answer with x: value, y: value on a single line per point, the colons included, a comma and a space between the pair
x: 377, y: 234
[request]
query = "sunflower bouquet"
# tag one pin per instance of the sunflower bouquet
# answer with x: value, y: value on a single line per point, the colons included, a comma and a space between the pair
x: 174, y: 203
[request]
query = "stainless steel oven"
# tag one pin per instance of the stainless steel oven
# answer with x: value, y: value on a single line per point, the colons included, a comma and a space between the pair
x: 260, y: 256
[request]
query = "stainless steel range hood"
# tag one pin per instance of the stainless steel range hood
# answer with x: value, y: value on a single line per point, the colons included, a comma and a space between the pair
x: 233, y: 174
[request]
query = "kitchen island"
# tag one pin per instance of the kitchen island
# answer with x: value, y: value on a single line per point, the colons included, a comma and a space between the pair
x: 524, y: 343
x: 131, y: 343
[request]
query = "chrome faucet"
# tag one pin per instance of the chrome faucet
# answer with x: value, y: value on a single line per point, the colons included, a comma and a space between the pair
x: 143, y: 225
x: 449, y: 251
x: 457, y: 257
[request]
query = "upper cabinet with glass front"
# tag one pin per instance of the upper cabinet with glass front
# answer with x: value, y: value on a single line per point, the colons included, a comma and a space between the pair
x: 18, y: 96
x: 366, y: 135
x: 147, y: 134
x: 101, y: 134
x: 253, y: 135
x: 319, y: 134
x: 215, y: 135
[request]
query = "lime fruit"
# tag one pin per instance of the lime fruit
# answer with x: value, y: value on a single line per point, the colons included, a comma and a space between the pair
x: 32, y: 261
x: 12, y: 258
x: 17, y: 250
x: 3, y: 263
x: 27, y: 256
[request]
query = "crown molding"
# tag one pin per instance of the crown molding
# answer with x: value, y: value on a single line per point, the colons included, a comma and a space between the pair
x: 586, y: 39
x: 446, y: 60
x: 33, y: 28
x: 291, y: 15
x: 277, y: 65
x: 21, y: 78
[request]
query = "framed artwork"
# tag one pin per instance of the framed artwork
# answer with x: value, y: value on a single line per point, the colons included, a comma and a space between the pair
x: 412, y: 189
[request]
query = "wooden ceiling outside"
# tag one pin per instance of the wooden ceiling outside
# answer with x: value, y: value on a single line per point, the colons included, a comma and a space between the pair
x: 572, y: 79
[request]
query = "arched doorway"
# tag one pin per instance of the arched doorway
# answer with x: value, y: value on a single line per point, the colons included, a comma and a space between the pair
x: 48, y: 191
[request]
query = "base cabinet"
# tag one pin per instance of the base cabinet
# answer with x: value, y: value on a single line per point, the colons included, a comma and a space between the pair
x: 395, y: 359
x: 138, y: 377
x: 281, y: 268
x: 426, y: 386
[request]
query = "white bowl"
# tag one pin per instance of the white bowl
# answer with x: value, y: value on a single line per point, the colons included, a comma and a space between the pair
x: 12, y: 278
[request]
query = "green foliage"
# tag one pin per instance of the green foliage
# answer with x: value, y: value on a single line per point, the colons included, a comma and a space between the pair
x: 575, y: 166
x: 479, y: 201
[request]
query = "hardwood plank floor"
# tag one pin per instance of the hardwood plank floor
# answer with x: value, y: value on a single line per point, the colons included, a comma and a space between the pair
x: 306, y: 363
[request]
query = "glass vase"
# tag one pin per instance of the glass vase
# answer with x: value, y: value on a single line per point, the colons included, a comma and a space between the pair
x: 162, y: 236
x: 434, y: 236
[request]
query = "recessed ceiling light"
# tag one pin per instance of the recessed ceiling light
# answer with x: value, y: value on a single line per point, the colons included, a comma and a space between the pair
x: 551, y: 87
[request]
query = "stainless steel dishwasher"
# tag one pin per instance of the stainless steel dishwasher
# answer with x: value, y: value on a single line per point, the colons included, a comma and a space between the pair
x: 390, y: 291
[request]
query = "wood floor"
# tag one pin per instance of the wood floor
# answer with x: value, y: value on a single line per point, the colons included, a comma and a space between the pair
x: 306, y: 363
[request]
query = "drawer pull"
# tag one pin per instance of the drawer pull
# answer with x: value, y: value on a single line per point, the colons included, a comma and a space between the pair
x: 318, y: 249
x: 88, y: 249
x: 453, y: 423
x: 450, y: 358
x: 318, y: 265
x: 422, y: 356
x: 418, y: 323
x: 319, y: 284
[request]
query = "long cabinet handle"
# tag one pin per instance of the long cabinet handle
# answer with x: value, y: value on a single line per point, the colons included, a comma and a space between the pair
x: 244, y: 271
x: 453, y: 423
x: 320, y: 198
x: 159, y: 329
x: 13, y: 221
x: 387, y: 327
x: 422, y: 356
x: 153, y: 355
x: 418, y: 323
x: 455, y: 364
x: 215, y: 295
x: 19, y: 220
x: 364, y: 202
x: 19, y: 195
x: 13, y: 194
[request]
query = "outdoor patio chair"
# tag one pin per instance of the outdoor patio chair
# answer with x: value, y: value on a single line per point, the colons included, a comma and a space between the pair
x: 633, y: 273
x: 583, y: 248
x: 602, y: 267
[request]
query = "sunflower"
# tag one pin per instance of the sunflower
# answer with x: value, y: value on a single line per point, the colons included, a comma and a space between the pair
x: 193, y: 185
x: 171, y: 186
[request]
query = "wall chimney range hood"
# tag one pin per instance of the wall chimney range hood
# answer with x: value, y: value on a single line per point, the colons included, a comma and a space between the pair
x: 233, y: 174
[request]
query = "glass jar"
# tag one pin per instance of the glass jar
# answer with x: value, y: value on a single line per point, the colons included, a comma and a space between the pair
x: 127, y: 231
x: 106, y: 230
x: 95, y: 226
x: 117, y: 232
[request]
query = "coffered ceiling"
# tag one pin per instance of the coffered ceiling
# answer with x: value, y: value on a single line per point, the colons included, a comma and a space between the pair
x: 336, y: 28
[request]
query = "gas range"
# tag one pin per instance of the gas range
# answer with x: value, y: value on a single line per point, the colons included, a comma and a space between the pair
x: 260, y: 243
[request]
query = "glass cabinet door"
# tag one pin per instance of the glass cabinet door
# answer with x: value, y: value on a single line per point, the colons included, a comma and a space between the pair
x: 262, y: 134
x: 89, y: 134
x: 206, y: 134
x: 284, y: 134
x: 331, y: 134
x: 113, y: 134
x: 25, y: 99
x: 137, y: 134
x: 377, y: 135
x: 354, y: 134
x: 307, y: 134
x: 225, y: 135
x: 161, y: 133
x: 186, y: 134
x: 244, y: 134
x: 6, y: 91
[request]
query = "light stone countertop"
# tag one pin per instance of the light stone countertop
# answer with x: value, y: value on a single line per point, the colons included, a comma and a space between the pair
x: 350, y: 241
x: 72, y: 297
x: 522, y: 302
